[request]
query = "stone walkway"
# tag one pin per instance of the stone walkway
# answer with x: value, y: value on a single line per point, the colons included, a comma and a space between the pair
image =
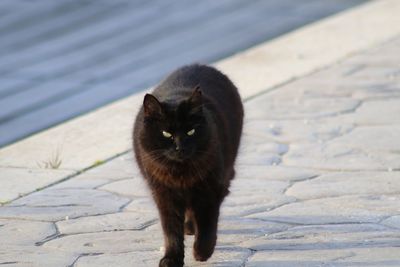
x: 318, y: 184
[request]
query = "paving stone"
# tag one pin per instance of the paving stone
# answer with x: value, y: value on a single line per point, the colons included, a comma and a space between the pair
x: 340, y: 157
x: 358, y: 257
x: 53, y: 205
x: 24, y: 233
x: 128, y: 259
x: 234, y: 231
x: 353, y: 151
x: 23, y: 256
x: 141, y: 205
x: 290, y: 131
x: 344, y: 209
x: 393, y: 221
x: 27, y: 179
x: 222, y: 257
x: 121, y: 167
x: 373, y: 112
x: 101, y: 242
x: 85, y: 182
x: 282, y: 173
x: 286, y: 107
x: 361, y: 138
x: 256, y: 159
x: 347, y: 183
x: 249, y: 196
x: 326, y: 237
x: 107, y: 222
x: 128, y: 187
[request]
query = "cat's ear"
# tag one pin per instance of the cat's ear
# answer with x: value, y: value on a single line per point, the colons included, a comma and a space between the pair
x: 152, y: 107
x: 196, y: 99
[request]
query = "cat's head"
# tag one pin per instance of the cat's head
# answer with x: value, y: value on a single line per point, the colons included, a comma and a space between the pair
x: 175, y: 130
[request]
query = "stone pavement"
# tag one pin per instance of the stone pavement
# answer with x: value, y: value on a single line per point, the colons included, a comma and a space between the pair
x: 318, y: 184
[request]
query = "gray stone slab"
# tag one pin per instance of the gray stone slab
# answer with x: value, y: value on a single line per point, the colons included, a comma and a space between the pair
x: 393, y: 221
x: 326, y: 237
x: 223, y: 257
x: 23, y: 256
x: 107, y: 223
x: 24, y: 233
x: 129, y: 187
x: 28, y: 179
x: 344, y: 209
x: 284, y: 106
x: 281, y: 173
x: 54, y: 205
x: 340, y: 184
x: 342, y: 156
x: 360, y: 257
x: 128, y: 241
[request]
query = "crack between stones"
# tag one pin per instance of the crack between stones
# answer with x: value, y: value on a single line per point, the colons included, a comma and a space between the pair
x: 84, y: 255
x: 251, y: 252
x: 110, y: 181
x: 59, y: 235
x: 68, y: 177
x: 350, y: 255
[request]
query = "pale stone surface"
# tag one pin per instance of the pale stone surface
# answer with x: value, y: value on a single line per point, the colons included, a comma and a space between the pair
x: 107, y: 242
x: 340, y: 157
x: 357, y: 257
x: 23, y: 256
x: 107, y: 222
x: 56, y: 204
x: 377, y: 111
x: 223, y: 257
x: 128, y: 187
x: 326, y: 237
x: 268, y: 107
x: 252, y: 196
x: 337, y: 184
x: 128, y: 259
x: 289, y: 131
x: 353, y: 209
x: 233, y: 231
x: 268, y: 173
x: 24, y: 233
x: 142, y: 205
x: 28, y: 180
x: 393, y: 221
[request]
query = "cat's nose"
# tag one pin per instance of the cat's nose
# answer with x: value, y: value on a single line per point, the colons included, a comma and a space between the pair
x: 178, y: 145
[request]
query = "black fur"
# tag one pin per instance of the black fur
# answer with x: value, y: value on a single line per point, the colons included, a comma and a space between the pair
x: 189, y: 175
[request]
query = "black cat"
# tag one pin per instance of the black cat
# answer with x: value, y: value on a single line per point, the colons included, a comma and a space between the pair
x: 186, y: 138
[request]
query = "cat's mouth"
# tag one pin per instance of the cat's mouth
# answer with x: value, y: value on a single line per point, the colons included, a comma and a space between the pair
x: 179, y: 156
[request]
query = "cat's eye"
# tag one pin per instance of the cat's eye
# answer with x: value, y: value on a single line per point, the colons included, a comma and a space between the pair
x: 166, y: 134
x: 191, y: 132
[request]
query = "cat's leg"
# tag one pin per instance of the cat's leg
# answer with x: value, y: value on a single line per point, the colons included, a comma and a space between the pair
x: 172, y: 215
x: 190, y: 227
x: 206, y: 215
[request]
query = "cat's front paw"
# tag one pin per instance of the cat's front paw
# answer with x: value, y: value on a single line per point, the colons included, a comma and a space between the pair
x: 170, y: 262
x: 202, y: 250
